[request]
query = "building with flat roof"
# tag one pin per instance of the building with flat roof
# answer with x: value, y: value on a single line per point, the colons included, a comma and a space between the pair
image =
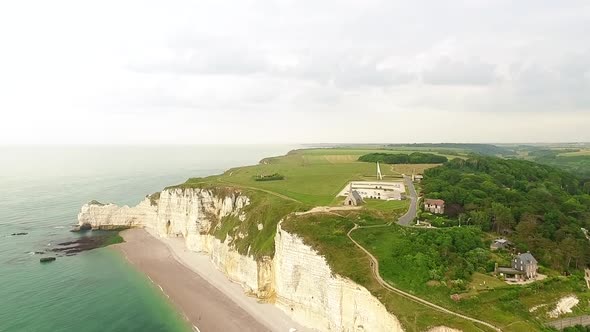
x: 376, y: 189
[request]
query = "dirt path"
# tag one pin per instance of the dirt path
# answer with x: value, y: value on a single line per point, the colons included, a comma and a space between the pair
x: 259, y: 189
x: 384, y: 284
x: 329, y: 209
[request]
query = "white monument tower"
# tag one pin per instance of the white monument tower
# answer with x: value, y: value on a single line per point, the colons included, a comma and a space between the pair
x: 379, y: 176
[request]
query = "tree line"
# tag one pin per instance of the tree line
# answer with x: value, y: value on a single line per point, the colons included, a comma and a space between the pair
x: 402, y: 158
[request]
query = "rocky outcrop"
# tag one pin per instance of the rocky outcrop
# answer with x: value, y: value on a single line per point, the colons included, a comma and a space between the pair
x: 108, y: 216
x: 564, y: 306
x: 297, y: 279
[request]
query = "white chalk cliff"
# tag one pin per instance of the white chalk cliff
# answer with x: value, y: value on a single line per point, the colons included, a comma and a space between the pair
x: 296, y: 279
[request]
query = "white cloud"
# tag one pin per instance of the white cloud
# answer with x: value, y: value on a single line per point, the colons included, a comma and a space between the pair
x: 293, y: 71
x: 449, y: 72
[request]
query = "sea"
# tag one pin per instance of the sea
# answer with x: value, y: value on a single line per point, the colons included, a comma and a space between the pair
x: 41, y: 191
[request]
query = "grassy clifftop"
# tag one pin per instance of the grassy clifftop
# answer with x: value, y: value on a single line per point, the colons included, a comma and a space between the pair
x: 255, y: 234
x: 310, y: 178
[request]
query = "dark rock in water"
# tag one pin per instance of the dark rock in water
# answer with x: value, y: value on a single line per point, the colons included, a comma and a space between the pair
x: 93, y: 240
x: 21, y: 233
x: 47, y: 259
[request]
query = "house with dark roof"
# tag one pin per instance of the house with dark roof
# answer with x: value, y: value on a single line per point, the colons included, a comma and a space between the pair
x: 523, y: 267
x: 510, y: 274
x: 527, y: 264
x: 434, y: 205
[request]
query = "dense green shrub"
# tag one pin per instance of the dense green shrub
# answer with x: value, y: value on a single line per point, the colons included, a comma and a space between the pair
x: 414, y: 257
x: 270, y: 177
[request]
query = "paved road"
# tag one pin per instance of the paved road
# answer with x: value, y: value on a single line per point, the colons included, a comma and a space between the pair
x: 408, y: 218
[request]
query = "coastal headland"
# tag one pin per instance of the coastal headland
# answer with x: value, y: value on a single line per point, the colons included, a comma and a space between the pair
x: 277, y: 233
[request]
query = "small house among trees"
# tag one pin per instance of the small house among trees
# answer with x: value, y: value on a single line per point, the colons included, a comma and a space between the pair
x: 434, y: 206
x: 500, y: 244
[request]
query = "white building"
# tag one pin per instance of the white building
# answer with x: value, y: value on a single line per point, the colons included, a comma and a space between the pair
x: 375, y: 189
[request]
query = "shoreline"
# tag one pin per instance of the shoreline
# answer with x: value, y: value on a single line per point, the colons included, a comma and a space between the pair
x: 203, y: 295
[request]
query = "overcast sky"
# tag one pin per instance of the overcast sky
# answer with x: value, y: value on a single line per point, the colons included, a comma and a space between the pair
x: 167, y: 72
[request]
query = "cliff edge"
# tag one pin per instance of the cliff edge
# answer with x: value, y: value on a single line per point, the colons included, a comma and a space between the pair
x: 253, y: 250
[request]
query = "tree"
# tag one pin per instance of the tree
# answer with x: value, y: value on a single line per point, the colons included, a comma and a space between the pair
x: 482, y: 219
x: 502, y: 217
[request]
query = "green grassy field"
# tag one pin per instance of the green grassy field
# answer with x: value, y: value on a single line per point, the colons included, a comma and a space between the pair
x: 581, y: 152
x: 387, y: 208
x: 312, y: 177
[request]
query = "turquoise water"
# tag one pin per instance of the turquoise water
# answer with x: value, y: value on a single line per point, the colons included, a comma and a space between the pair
x: 41, y: 191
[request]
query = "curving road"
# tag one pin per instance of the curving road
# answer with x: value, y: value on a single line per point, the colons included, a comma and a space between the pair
x: 405, y: 220
x: 409, y: 216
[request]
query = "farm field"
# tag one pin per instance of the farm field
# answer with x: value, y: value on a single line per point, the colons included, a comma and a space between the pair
x: 581, y: 152
x: 574, y: 159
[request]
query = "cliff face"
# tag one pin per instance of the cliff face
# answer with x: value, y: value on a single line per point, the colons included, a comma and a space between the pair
x: 106, y: 216
x: 297, y: 278
x: 306, y: 287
